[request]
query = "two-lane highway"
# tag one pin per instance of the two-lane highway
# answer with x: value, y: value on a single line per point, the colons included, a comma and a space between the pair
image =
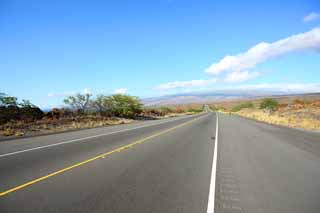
x: 166, y: 169
x: 202, y: 163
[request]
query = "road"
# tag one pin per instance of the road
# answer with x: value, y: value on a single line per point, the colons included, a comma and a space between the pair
x: 202, y: 163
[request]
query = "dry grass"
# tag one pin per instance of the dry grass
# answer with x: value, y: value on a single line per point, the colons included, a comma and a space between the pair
x: 301, y: 111
x: 52, y: 125
x: 298, y: 114
x: 21, y: 128
x: 277, y: 118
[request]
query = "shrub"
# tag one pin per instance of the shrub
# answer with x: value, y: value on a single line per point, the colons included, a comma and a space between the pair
x: 125, y: 106
x: 194, y: 110
x: 57, y: 113
x: 269, y: 104
x: 152, y: 112
x: 179, y: 110
x: 30, y: 113
x: 298, y: 101
x: 11, y: 109
x: 242, y: 106
x: 8, y: 132
x: 166, y: 110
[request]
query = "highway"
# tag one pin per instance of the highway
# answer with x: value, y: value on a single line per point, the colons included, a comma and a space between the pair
x: 209, y: 162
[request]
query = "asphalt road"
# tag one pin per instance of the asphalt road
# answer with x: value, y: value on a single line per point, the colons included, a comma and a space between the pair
x: 172, y: 165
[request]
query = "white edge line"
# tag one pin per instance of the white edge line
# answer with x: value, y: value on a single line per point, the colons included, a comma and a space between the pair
x: 81, y: 139
x: 212, y: 190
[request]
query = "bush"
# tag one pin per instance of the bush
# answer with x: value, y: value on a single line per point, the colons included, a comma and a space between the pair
x: 298, y: 101
x: 30, y: 113
x: 125, y: 106
x: 269, y: 104
x: 179, y: 110
x: 12, y: 110
x: 242, y: 106
x: 194, y: 110
x: 166, y: 110
x: 57, y: 113
x: 8, y: 113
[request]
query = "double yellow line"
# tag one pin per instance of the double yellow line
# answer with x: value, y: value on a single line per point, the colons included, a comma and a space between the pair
x: 122, y: 148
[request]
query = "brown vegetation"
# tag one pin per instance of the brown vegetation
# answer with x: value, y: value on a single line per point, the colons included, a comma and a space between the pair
x: 26, y: 119
x: 298, y: 112
x: 58, y: 120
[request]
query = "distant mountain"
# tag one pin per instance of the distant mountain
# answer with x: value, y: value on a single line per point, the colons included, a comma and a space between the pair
x: 208, y: 97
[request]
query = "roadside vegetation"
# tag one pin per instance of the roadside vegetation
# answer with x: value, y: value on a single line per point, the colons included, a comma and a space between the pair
x: 246, y: 105
x: 19, y: 118
x: 269, y: 104
x: 297, y: 113
x: 217, y: 108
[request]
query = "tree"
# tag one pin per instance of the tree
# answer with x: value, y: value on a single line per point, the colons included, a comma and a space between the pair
x: 27, y: 103
x: 103, y: 104
x: 79, y: 101
x: 118, y: 105
x: 10, y: 109
x: 2, y: 95
x: 269, y: 104
x: 124, y: 105
x: 242, y: 106
x: 6, y: 100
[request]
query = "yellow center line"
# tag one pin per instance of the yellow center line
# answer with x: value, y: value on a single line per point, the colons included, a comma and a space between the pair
x: 122, y: 148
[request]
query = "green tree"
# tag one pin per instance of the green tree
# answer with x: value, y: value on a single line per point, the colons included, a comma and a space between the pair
x: 166, y: 110
x: 79, y: 101
x: 242, y: 106
x: 269, y: 104
x: 6, y: 100
x: 103, y: 104
x: 123, y: 105
x: 195, y: 110
x: 27, y: 103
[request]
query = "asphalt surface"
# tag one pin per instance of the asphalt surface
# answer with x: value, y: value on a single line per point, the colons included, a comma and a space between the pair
x: 169, y: 167
x: 266, y: 168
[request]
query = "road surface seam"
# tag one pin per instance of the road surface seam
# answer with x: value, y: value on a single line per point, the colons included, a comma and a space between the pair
x: 119, y: 149
x: 79, y: 139
x: 212, y: 190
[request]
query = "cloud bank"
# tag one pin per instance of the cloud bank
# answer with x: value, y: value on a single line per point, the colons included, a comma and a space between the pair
x: 308, y: 41
x: 240, y: 76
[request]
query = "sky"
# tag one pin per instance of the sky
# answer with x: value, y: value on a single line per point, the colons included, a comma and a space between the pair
x: 52, y: 49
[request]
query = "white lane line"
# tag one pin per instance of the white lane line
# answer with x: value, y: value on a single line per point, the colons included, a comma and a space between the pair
x: 85, y: 138
x: 212, y: 191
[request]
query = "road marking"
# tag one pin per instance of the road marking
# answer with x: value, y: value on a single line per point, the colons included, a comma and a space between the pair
x: 212, y: 191
x: 119, y: 149
x: 81, y: 139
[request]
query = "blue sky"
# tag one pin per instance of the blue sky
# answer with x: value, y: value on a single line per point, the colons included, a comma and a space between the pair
x: 50, y: 49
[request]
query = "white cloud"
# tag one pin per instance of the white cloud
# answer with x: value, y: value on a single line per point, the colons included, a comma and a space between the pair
x: 184, y: 84
x: 311, y: 17
x: 120, y: 91
x: 309, y: 41
x: 240, y: 76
